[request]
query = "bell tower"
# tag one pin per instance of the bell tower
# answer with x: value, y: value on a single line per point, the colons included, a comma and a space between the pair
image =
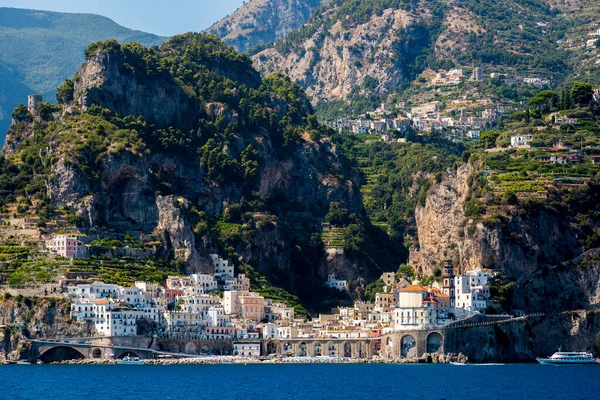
x: 448, y: 281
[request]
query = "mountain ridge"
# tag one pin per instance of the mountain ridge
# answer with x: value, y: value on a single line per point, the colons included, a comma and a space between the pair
x: 42, y: 48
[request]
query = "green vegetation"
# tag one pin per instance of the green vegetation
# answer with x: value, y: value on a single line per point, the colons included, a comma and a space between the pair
x: 396, y: 176
x: 46, y: 47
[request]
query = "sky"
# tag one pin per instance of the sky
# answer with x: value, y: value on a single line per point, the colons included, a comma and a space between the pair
x: 161, y: 17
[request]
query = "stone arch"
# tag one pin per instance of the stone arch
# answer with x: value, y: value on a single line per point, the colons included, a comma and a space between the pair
x: 207, y: 348
x: 128, y: 353
x: 190, y: 348
x: 174, y: 348
x: 347, y: 350
x: 271, y: 347
x: 287, y: 349
x: 408, y: 346
x: 302, y: 350
x: 96, y: 353
x: 317, y: 349
x: 60, y: 353
x: 435, y: 342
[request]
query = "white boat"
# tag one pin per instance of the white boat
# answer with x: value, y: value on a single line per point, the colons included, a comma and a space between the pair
x: 568, y: 357
x: 131, y: 361
x: 22, y: 362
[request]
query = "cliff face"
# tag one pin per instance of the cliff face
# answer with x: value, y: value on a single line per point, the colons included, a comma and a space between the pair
x: 518, y: 244
x: 35, y: 317
x: 243, y: 177
x: 263, y: 21
x: 524, y: 340
x: 365, y: 58
x: 105, y: 80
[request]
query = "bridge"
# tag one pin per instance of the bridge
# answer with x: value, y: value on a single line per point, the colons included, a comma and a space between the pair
x: 50, y: 350
x: 412, y: 343
x: 315, y: 347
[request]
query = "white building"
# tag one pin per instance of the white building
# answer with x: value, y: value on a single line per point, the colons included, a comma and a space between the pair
x: 94, y: 290
x: 336, y: 283
x: 472, y: 290
x: 205, y: 281
x: 520, y: 140
x: 246, y: 349
x: 222, y: 269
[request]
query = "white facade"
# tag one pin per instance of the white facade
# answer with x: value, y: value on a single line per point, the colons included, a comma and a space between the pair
x: 472, y: 290
x: 94, y: 290
x: 246, y: 349
x: 205, y: 281
x: 520, y: 140
x: 335, y: 283
x: 222, y: 269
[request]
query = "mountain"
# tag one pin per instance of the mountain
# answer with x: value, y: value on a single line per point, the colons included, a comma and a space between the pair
x: 352, y: 54
x: 263, y: 21
x: 187, y: 144
x: 39, y: 49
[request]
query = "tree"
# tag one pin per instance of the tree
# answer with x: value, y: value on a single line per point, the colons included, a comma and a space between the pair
x: 64, y: 93
x: 582, y: 93
x: 22, y: 114
x: 544, y: 100
x: 45, y: 110
x: 487, y: 139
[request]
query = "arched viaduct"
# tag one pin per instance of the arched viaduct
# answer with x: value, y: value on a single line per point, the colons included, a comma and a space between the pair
x: 412, y: 343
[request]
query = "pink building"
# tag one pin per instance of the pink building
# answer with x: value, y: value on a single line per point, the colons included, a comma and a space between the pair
x: 67, y: 246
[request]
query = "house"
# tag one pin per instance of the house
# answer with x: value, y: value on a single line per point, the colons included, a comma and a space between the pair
x: 520, y: 140
x: 335, y: 283
x: 359, y: 129
x: 222, y: 269
x: 472, y: 290
x: 67, y: 246
x: 246, y: 349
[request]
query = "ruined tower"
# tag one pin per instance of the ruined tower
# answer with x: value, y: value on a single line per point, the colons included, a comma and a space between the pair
x: 33, y: 101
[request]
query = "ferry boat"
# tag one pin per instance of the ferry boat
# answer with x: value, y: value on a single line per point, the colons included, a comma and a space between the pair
x: 131, y: 361
x: 568, y: 357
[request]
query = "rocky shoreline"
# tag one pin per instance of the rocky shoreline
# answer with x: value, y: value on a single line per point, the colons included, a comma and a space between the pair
x: 426, y: 359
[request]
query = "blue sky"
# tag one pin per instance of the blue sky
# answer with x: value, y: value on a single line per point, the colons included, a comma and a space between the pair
x: 161, y: 17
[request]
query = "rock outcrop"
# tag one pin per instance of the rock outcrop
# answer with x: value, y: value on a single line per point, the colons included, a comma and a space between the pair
x: 518, y: 243
x: 239, y: 189
x: 523, y: 340
x: 35, y: 317
x: 105, y: 80
x: 262, y: 21
x: 365, y: 58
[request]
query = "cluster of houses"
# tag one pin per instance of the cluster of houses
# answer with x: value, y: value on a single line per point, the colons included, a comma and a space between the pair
x: 220, y: 306
x: 423, y: 118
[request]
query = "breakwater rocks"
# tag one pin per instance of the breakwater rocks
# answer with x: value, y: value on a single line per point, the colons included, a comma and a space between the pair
x: 425, y: 359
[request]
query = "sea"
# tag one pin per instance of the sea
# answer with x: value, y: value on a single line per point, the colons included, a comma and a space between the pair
x: 300, y: 381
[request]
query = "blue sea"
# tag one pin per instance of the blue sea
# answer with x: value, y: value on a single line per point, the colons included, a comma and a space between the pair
x: 329, y: 381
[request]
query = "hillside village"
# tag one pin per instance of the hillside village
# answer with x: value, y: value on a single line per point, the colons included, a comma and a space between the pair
x: 220, y: 307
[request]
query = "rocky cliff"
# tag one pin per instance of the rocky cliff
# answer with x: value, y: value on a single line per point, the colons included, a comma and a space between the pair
x: 366, y: 47
x: 35, y: 317
x: 187, y: 143
x: 262, y: 21
x: 337, y: 59
x: 515, y: 243
x: 525, y: 339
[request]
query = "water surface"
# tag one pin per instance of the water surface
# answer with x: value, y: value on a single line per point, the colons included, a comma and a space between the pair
x: 305, y: 381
